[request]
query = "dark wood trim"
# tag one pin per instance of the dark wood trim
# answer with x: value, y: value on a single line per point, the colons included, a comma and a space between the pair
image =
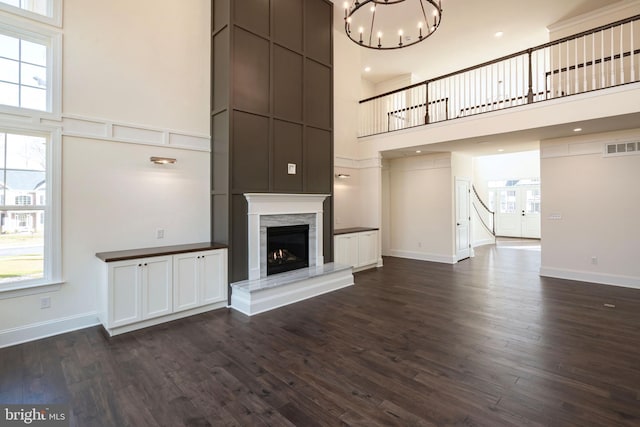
x: 158, y: 251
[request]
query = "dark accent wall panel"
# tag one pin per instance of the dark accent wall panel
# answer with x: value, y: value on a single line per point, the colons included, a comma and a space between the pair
x: 250, y: 72
x: 220, y: 218
x: 220, y: 67
x: 287, y: 84
x: 317, y: 34
x: 317, y: 106
x: 252, y: 15
x: 327, y: 237
x: 250, y: 153
x: 287, y: 148
x: 220, y: 152
x: 239, y: 253
x: 220, y: 11
x: 318, y: 161
x: 272, y: 104
x: 287, y: 23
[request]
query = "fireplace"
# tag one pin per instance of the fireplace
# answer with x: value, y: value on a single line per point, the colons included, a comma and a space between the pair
x: 287, y: 248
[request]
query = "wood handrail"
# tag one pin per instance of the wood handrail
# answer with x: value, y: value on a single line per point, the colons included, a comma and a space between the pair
x: 506, y: 57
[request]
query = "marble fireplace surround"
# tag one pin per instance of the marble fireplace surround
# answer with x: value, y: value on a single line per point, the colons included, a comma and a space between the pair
x: 277, y: 209
x: 260, y: 293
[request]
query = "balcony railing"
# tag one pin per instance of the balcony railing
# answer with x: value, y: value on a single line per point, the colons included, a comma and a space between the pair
x: 597, y: 59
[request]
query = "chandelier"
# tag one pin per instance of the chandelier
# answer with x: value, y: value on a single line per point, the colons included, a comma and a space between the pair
x: 391, y: 24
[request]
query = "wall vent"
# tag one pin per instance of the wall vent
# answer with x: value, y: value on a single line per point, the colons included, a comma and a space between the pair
x: 621, y: 148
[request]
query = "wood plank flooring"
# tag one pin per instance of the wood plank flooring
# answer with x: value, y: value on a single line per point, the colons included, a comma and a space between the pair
x: 486, y: 342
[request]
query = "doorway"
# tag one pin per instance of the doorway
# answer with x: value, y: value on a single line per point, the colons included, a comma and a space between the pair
x: 516, y: 203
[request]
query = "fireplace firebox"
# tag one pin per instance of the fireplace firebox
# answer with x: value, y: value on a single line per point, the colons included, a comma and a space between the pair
x: 287, y: 248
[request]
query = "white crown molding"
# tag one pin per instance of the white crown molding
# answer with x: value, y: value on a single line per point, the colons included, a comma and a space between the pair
x: 94, y: 128
x: 345, y: 162
x: 603, y: 12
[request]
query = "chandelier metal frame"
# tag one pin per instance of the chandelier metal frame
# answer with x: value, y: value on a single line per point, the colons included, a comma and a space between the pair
x: 358, y: 8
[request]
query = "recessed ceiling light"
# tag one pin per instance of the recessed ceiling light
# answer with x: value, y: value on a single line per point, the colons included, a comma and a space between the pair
x: 367, y: 69
x: 577, y: 130
x: 418, y: 151
x: 500, y: 150
x: 498, y: 34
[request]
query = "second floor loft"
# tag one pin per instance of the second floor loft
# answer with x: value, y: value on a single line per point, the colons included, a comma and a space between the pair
x: 597, y: 59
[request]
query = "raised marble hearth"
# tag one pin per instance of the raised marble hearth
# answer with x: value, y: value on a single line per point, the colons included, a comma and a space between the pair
x: 259, y: 295
x: 261, y: 292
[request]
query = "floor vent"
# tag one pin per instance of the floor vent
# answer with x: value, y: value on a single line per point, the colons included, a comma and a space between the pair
x: 621, y: 148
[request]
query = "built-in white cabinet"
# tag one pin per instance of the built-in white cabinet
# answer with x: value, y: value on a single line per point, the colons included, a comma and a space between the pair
x: 145, y: 291
x: 358, y: 249
x: 139, y: 289
x: 199, y: 279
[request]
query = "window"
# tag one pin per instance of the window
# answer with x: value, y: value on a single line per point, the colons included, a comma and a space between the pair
x: 30, y: 80
x: 23, y: 200
x: 48, y: 11
x: 29, y: 68
x: 29, y: 232
x: 23, y: 73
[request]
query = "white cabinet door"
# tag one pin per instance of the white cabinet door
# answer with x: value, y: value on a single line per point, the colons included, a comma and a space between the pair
x: 213, y: 276
x: 346, y: 249
x: 157, y: 295
x: 139, y: 289
x: 199, y: 278
x: 185, y: 281
x: 367, y: 248
x: 124, y: 289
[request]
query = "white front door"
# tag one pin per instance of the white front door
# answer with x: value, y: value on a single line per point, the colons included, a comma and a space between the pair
x: 463, y: 219
x: 518, y: 211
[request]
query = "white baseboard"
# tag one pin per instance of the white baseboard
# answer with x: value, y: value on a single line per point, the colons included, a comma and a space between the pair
x: 591, y: 277
x: 483, y: 242
x: 423, y: 256
x: 36, y: 331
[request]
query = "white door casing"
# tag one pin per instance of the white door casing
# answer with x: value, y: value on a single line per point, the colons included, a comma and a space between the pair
x: 463, y: 218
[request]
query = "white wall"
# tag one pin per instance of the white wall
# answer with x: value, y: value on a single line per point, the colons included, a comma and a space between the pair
x: 603, y: 16
x: 598, y: 199
x: 139, y: 62
x: 136, y: 63
x: 346, y: 196
x: 346, y: 92
x: 421, y: 213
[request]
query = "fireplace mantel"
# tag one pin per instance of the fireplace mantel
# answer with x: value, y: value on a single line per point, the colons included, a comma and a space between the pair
x: 263, y: 204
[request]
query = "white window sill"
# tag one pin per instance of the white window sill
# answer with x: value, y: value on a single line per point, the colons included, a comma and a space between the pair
x: 20, y: 290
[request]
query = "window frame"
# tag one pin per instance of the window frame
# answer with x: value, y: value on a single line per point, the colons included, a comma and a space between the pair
x: 52, y: 268
x: 53, y: 18
x: 52, y: 39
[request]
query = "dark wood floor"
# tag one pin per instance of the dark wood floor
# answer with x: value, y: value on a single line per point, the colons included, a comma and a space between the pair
x: 482, y: 343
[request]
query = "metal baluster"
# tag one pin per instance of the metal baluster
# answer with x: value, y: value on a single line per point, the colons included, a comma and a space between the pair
x: 602, y: 75
x: 621, y: 54
x: 632, y: 60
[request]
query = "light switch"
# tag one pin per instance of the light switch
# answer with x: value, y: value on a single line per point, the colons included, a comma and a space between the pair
x: 291, y: 168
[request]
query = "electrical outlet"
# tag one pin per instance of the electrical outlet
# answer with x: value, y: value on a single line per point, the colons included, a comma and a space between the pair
x: 291, y: 168
x: 419, y: 244
x: 594, y: 260
x: 45, y: 302
x: 160, y: 233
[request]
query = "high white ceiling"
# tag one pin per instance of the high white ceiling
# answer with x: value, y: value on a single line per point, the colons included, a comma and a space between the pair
x: 466, y: 36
